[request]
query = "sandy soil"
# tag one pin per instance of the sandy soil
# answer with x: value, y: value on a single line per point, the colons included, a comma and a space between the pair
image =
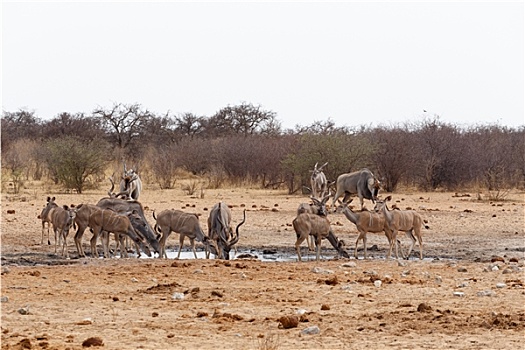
x: 467, y: 293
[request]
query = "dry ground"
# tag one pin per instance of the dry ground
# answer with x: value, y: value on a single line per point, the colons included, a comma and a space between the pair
x: 52, y: 303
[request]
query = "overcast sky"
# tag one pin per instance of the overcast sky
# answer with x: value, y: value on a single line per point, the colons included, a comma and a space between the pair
x: 357, y: 63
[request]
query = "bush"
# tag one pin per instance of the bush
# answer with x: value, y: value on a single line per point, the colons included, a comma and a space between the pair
x: 72, y: 161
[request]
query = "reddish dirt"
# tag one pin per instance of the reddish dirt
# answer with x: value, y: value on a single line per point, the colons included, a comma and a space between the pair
x: 52, y: 303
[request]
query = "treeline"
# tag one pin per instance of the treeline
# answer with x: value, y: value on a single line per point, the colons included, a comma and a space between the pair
x: 247, y: 143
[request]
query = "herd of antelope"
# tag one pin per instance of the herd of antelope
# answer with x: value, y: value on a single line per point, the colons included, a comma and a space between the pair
x: 123, y: 215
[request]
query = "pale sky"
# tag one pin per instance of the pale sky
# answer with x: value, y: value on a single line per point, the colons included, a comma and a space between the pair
x: 357, y: 63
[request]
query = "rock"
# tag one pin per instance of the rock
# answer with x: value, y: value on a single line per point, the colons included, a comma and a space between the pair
x: 23, y: 310
x: 177, y: 296
x: 311, y: 330
x: 301, y: 311
x: 92, y: 341
x: 198, y: 271
x: 5, y: 270
x: 401, y: 263
x: 287, y: 322
x: 4, y: 299
x: 321, y: 271
x: 462, y: 285
x: 85, y: 322
x: 495, y: 268
x: 325, y: 307
x: 377, y: 283
x: 458, y: 294
x: 438, y: 280
x: 501, y: 285
x: 486, y: 293
x: 134, y: 280
x: 349, y: 264
x: 511, y: 269
x: 497, y: 258
x: 462, y: 269
x: 423, y: 307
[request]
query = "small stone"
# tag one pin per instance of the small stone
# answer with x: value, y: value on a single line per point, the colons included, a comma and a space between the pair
x: 134, y: 280
x: 85, y: 322
x: 501, y: 285
x: 423, y: 307
x: 4, y: 299
x: 377, y: 283
x: 287, y: 322
x: 438, y: 280
x: 462, y: 285
x: 462, y: 269
x: 23, y: 311
x: 92, y: 341
x: 5, y: 270
x: 486, y: 293
x: 325, y: 307
x: 198, y: 271
x: 321, y: 271
x: 154, y: 314
x: 401, y: 263
x: 301, y: 311
x: 495, y: 268
x: 349, y: 264
x: 458, y: 294
x: 311, y: 330
x: 177, y: 296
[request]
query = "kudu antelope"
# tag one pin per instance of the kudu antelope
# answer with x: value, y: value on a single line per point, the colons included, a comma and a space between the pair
x: 106, y: 220
x: 130, y: 185
x: 316, y: 225
x: 362, y: 182
x: 365, y: 221
x: 62, y: 219
x: 140, y: 223
x: 408, y: 221
x: 318, y: 181
x: 317, y: 207
x: 185, y: 224
x: 44, y: 216
x: 220, y: 232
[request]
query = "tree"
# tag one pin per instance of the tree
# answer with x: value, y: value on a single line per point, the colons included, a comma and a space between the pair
x: 391, y: 157
x: 245, y: 119
x: 73, y: 161
x: 123, y: 122
x: 22, y: 124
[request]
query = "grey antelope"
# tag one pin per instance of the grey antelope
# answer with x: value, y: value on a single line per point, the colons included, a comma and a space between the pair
x: 185, y: 224
x: 365, y: 221
x: 408, y: 221
x: 316, y: 225
x: 362, y: 182
x: 318, y: 181
x: 220, y: 231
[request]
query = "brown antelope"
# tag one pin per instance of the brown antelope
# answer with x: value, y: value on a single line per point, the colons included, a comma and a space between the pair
x: 62, y: 219
x: 365, y: 221
x: 316, y: 225
x: 106, y: 220
x: 44, y: 216
x: 185, y: 224
x: 402, y: 220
